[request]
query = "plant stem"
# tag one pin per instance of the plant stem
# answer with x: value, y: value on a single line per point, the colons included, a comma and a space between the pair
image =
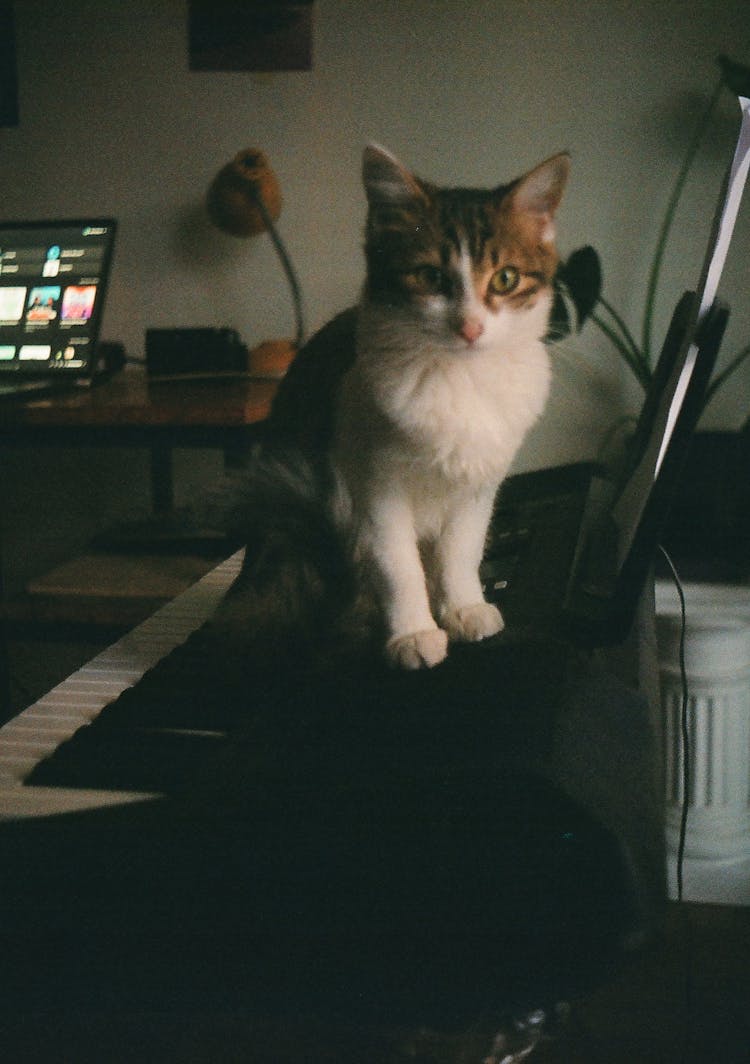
x: 666, y: 225
x: 627, y: 336
x: 636, y: 364
x: 719, y: 379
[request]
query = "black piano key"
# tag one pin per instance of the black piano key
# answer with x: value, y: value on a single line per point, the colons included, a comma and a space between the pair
x: 131, y: 759
x: 204, y: 710
x: 159, y: 734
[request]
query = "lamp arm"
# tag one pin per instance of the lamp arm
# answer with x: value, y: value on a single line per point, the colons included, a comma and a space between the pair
x: 286, y: 262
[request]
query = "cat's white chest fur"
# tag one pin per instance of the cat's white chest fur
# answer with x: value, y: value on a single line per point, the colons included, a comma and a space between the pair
x: 458, y: 414
x: 424, y: 438
x: 465, y: 417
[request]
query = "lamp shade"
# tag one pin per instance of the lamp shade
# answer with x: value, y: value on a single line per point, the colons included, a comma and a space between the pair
x: 233, y: 197
x: 244, y: 199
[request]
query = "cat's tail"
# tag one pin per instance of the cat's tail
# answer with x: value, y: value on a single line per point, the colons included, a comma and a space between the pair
x: 297, y: 590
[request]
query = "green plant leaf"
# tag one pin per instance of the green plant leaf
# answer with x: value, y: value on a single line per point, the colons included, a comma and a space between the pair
x: 736, y: 76
x: 581, y: 275
x: 625, y: 334
x: 559, y: 319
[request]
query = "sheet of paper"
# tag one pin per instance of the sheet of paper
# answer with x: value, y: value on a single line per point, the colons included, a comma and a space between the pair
x: 721, y: 236
x: 632, y: 500
x: 727, y: 213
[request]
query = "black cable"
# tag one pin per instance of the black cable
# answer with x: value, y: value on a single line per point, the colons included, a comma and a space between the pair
x: 687, y: 925
x: 683, y: 726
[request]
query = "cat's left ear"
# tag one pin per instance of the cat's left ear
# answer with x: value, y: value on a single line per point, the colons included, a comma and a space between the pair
x: 539, y: 192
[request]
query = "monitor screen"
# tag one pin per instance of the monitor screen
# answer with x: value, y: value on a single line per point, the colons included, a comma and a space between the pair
x: 53, y: 277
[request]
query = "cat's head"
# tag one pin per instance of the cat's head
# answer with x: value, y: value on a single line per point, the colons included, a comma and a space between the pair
x: 471, y: 268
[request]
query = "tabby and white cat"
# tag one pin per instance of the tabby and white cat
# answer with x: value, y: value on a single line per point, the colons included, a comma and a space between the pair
x: 412, y: 406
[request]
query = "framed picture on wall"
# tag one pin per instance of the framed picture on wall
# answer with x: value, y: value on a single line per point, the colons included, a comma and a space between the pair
x: 8, y: 66
x: 256, y: 35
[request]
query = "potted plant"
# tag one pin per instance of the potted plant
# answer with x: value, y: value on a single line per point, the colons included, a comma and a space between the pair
x: 716, y: 485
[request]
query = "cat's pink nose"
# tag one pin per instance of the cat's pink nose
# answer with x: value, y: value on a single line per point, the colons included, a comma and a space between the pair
x: 471, y: 330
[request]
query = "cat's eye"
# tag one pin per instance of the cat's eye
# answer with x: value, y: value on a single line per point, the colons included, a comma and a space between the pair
x: 428, y: 278
x: 504, y: 280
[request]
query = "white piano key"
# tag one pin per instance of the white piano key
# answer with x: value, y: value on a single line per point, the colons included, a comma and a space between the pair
x: 19, y: 802
x: 17, y: 744
x: 47, y: 724
x: 15, y: 768
x: 42, y: 727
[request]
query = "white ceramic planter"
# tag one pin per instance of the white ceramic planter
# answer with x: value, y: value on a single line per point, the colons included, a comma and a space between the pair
x: 717, y: 664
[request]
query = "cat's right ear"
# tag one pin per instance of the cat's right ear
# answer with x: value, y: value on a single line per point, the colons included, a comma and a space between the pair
x: 386, y: 181
x: 538, y: 194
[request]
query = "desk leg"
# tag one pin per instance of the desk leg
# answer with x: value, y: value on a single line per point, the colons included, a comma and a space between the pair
x: 162, y: 480
x: 5, y: 701
x: 236, y: 457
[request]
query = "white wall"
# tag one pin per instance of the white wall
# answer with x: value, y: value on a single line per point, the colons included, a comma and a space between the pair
x: 465, y: 91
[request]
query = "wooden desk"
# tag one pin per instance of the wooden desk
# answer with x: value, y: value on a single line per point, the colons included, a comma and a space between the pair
x: 129, y: 410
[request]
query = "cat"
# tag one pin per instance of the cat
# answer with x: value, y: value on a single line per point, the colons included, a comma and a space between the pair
x: 405, y: 412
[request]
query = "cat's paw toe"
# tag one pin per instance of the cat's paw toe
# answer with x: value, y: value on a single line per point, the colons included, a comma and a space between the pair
x: 418, y: 650
x: 469, y: 624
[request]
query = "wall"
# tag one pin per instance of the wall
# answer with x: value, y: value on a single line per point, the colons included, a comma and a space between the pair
x: 465, y: 91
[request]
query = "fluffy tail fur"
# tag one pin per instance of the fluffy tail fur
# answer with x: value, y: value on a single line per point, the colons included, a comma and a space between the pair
x: 296, y: 595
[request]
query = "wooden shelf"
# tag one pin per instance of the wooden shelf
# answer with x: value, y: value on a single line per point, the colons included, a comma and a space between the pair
x: 109, y: 590
x: 122, y: 576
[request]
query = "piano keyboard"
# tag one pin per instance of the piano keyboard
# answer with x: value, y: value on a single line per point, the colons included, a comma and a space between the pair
x: 261, y: 835
x: 34, y: 735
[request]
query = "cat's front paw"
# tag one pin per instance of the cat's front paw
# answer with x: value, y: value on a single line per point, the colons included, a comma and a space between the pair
x: 418, y: 650
x: 469, y: 624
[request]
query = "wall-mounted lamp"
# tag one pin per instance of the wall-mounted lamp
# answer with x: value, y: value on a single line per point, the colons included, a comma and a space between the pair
x: 244, y: 200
